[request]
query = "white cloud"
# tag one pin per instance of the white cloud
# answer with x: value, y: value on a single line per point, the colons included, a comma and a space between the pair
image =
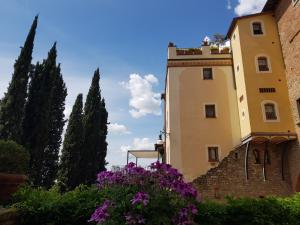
x: 143, y: 99
x: 143, y: 144
x: 116, y: 128
x: 245, y: 7
x: 125, y: 148
x: 139, y: 144
x: 229, y: 4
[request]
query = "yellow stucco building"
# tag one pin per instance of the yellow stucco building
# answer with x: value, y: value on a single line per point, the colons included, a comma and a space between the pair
x: 216, y: 101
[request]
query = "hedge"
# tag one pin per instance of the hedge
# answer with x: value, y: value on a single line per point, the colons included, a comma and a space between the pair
x: 38, y: 206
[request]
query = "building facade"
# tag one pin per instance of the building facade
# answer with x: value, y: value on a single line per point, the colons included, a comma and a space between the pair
x: 201, y: 109
x: 287, y: 16
x: 232, y: 119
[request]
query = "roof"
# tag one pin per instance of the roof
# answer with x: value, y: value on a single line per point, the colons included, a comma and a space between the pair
x: 234, y: 21
x: 146, y: 154
x: 270, y: 5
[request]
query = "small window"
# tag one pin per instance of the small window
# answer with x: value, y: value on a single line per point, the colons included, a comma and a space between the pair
x: 267, y: 90
x: 270, y: 111
x: 257, y: 28
x: 213, y: 154
x: 263, y: 64
x: 207, y: 74
x: 210, y: 111
x: 298, y: 106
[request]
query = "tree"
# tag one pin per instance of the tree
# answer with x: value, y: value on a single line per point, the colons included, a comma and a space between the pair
x: 94, y: 151
x: 69, y: 167
x: 12, y: 105
x: 218, y: 39
x: 56, y: 126
x: 36, y: 121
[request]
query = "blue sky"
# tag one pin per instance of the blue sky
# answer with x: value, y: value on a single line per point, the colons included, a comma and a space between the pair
x: 127, y: 40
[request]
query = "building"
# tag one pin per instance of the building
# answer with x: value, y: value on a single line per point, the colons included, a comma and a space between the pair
x: 228, y: 117
x: 287, y: 16
x: 199, y: 88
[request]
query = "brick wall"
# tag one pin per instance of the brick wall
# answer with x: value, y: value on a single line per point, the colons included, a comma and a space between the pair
x: 228, y: 178
x: 288, y: 18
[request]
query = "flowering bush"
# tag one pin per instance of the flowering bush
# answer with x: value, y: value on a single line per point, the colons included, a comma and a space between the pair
x: 155, y: 196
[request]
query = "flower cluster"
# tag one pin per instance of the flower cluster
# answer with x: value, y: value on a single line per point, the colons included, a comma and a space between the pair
x: 132, y: 219
x: 101, y: 213
x: 185, y: 215
x: 138, y: 190
x: 140, y: 197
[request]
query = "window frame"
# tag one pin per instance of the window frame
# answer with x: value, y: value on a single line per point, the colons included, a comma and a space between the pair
x: 262, y: 28
x: 268, y: 62
x: 204, y: 110
x: 218, y: 153
x: 264, y: 111
x: 212, y: 73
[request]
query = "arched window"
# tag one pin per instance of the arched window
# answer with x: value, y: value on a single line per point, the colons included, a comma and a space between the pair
x: 257, y: 28
x: 270, y: 111
x: 263, y: 64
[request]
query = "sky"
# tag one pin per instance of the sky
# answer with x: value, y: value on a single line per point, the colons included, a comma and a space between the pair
x: 127, y: 40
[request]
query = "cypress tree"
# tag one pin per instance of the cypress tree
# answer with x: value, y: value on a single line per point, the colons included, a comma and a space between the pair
x: 93, y: 154
x: 36, y: 122
x: 12, y: 105
x: 56, y: 125
x: 102, y: 154
x: 69, y: 168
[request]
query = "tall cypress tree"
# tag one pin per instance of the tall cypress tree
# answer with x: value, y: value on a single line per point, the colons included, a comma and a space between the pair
x: 36, y: 121
x: 93, y: 154
x: 12, y: 105
x: 102, y: 154
x: 69, y: 168
x: 56, y: 125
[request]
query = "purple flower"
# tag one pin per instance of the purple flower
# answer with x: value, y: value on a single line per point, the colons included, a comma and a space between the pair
x: 132, y: 219
x: 140, y: 197
x: 101, y: 213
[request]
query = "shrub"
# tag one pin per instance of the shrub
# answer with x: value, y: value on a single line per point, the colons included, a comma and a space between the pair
x: 267, y: 211
x: 13, y: 157
x: 37, y: 206
x: 156, y: 196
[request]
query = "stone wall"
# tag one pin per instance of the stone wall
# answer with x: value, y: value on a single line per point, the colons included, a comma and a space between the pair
x: 288, y: 17
x: 228, y: 178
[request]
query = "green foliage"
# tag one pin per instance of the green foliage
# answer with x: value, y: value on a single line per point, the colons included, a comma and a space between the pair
x: 56, y: 125
x: 267, y: 211
x: 13, y: 158
x: 69, y: 167
x: 12, y: 105
x: 95, y: 130
x: 43, y: 120
x: 38, y: 206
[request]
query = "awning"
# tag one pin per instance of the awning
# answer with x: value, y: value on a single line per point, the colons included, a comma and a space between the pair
x: 147, y: 154
x: 143, y: 154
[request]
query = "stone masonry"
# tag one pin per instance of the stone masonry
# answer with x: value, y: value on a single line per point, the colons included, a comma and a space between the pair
x: 228, y: 178
x: 287, y: 16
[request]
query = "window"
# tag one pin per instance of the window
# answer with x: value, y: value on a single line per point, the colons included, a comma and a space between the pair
x: 207, y: 74
x: 267, y: 90
x: 257, y: 28
x: 263, y: 64
x: 270, y: 111
x: 210, y: 111
x: 213, y: 154
x: 298, y: 106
